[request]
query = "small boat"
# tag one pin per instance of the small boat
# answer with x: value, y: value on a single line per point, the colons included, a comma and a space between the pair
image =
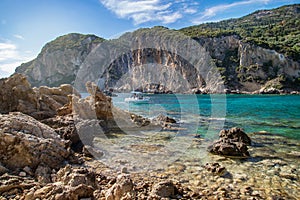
x: 137, y: 97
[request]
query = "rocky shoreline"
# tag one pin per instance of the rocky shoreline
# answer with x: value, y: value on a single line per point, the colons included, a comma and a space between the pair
x: 43, y: 156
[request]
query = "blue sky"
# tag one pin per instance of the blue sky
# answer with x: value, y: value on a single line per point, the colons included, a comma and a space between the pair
x: 27, y: 25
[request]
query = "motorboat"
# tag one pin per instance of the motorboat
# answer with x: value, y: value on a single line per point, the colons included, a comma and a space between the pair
x: 137, y: 97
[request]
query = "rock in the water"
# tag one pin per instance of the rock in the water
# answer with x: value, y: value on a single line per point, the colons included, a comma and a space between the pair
x: 215, y: 168
x: 27, y: 142
x: 232, y: 142
x: 166, y: 122
x: 164, y: 119
x: 139, y: 120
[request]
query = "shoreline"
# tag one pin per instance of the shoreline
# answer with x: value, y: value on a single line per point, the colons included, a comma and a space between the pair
x: 44, y: 154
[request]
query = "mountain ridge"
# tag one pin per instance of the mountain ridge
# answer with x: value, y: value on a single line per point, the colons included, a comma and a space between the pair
x: 245, y: 62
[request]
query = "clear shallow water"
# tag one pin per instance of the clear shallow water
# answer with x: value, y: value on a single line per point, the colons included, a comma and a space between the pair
x: 207, y: 114
x: 271, y: 171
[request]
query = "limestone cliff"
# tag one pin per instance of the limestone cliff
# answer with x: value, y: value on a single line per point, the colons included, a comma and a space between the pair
x: 248, y: 67
x: 206, y: 58
x: 59, y: 60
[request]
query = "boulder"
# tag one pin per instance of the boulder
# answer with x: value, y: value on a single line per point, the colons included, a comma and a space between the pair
x: 139, y: 120
x: 163, y: 189
x: 27, y: 142
x: 72, y: 176
x: 235, y: 135
x: 166, y: 122
x: 65, y: 127
x: 165, y: 119
x: 232, y: 142
x: 97, y: 105
x: 16, y: 94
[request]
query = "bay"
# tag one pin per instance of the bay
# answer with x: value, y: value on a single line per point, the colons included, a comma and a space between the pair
x: 207, y: 114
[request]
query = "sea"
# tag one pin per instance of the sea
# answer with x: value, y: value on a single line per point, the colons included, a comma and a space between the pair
x: 179, y: 152
x: 205, y: 115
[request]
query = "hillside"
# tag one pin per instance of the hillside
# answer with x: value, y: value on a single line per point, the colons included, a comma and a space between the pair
x: 277, y: 29
x: 59, y: 60
x: 257, y: 53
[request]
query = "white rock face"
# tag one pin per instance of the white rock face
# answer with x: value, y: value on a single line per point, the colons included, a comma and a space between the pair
x: 138, y: 59
x: 59, y: 60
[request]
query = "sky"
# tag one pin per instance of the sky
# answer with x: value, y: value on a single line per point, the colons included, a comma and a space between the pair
x: 27, y: 25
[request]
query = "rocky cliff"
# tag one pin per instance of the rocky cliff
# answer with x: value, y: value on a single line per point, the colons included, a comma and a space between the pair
x: 59, y: 60
x: 248, y: 67
x: 195, y: 59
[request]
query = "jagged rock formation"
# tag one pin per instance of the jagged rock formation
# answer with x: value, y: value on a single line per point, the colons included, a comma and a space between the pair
x: 16, y: 94
x: 232, y: 142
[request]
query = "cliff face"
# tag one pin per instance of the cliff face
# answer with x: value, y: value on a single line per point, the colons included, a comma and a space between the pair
x: 247, y: 67
x: 161, y: 60
x: 152, y: 60
x: 59, y: 60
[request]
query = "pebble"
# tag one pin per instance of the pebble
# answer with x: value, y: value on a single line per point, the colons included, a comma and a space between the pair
x: 28, y: 170
x: 124, y: 170
x: 22, y: 174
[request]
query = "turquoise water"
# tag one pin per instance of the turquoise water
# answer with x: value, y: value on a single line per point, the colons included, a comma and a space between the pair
x: 208, y: 114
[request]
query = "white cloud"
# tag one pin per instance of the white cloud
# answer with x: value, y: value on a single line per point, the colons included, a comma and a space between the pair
x: 19, y: 37
x: 190, y: 10
x: 141, y: 11
x: 7, y: 51
x: 215, y: 10
x: 11, y: 57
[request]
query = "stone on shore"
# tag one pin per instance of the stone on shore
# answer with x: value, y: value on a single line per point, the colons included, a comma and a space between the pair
x: 163, y: 190
x: 122, y: 189
x: 69, y: 183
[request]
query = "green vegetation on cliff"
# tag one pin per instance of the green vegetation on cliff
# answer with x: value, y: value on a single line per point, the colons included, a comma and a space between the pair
x: 277, y: 29
x: 71, y: 41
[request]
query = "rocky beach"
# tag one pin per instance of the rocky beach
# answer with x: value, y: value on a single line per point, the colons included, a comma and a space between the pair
x: 43, y: 154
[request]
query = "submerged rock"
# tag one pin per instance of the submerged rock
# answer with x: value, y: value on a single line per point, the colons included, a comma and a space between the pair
x: 215, y: 168
x: 139, y: 120
x: 232, y: 142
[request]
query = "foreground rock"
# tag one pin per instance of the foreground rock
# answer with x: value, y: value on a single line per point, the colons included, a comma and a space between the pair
x: 68, y: 183
x: 232, y: 142
x: 164, y: 189
x: 16, y: 94
x: 27, y: 142
x: 122, y: 189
